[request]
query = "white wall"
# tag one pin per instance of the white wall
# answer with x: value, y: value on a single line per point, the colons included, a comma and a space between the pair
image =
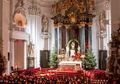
x: 34, y: 27
x: 96, y: 40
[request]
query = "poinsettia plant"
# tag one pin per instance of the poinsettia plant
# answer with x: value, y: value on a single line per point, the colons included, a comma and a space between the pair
x: 77, y: 56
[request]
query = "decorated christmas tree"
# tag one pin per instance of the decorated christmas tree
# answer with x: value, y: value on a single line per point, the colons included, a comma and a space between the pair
x: 53, y: 58
x: 89, y: 60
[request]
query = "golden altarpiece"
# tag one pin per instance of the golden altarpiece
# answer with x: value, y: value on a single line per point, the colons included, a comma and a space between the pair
x: 72, y: 21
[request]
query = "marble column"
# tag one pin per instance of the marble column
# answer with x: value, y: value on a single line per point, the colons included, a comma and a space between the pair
x: 56, y: 38
x: 12, y: 53
x: 89, y: 37
x: 58, y: 42
x: 66, y: 36
x: 11, y: 44
x: 46, y: 43
x: 83, y: 40
x: 101, y: 43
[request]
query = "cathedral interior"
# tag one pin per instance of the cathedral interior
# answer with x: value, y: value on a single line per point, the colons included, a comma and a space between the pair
x: 60, y: 38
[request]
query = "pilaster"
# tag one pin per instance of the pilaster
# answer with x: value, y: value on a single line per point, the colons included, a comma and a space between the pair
x: 1, y: 41
x: 25, y: 54
x: 12, y: 52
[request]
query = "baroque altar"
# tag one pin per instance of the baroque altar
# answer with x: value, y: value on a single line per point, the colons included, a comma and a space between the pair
x: 73, y: 22
x: 71, y: 60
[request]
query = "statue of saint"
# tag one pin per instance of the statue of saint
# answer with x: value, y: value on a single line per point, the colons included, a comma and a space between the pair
x: 102, y: 21
x: 72, y: 51
x: 31, y: 49
x: 44, y: 24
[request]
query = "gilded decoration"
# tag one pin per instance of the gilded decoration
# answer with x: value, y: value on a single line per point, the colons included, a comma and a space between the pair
x: 19, y: 16
x: 69, y: 12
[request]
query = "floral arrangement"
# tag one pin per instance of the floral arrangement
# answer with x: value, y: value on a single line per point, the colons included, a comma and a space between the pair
x: 76, y: 56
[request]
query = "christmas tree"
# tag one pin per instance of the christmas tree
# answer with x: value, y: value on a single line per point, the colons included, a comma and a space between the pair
x: 53, y: 58
x: 89, y: 60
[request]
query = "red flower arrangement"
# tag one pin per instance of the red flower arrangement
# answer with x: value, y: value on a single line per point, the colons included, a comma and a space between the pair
x: 77, y: 56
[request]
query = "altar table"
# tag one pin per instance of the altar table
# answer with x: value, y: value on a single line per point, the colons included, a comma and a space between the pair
x: 70, y: 65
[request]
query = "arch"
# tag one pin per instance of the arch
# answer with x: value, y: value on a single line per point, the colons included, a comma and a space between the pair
x: 68, y: 46
x: 70, y: 41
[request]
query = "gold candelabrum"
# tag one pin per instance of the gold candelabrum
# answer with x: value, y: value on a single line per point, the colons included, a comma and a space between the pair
x: 67, y: 12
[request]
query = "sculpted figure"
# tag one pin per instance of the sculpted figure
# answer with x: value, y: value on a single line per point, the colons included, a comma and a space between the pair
x: 44, y: 24
x: 102, y: 21
x: 72, y: 51
x: 31, y: 50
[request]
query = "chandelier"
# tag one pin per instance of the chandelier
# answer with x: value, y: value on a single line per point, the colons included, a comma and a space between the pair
x: 73, y: 12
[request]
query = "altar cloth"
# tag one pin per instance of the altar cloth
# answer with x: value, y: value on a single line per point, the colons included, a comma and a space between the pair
x: 70, y: 65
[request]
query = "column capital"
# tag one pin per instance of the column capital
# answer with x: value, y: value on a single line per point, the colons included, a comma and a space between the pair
x: 46, y: 35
